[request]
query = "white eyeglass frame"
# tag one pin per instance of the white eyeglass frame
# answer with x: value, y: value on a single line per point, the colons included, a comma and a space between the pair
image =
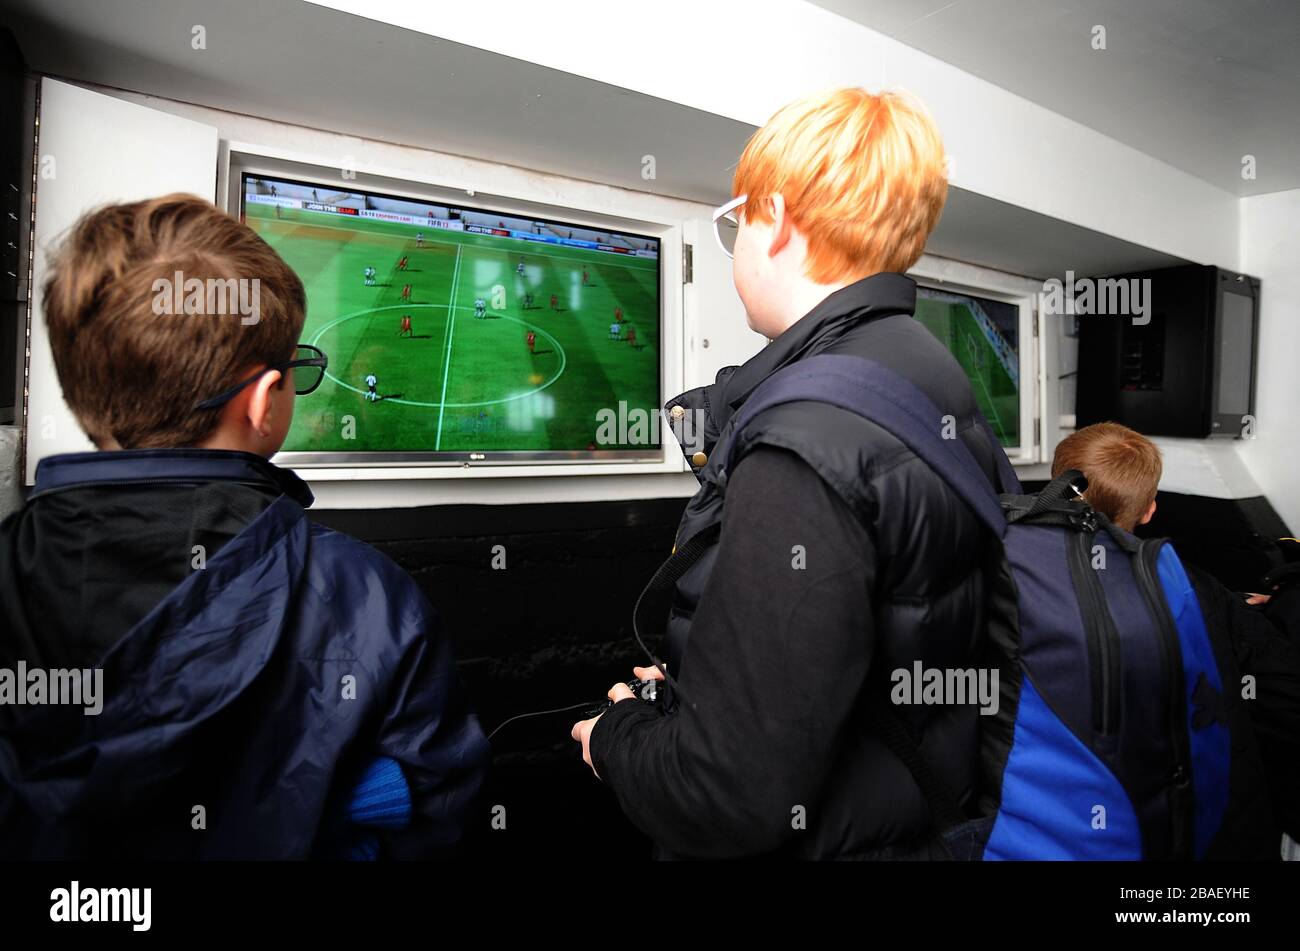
x: 725, y: 211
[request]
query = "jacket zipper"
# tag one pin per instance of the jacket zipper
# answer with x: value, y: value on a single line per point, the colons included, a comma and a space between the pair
x: 1180, y: 781
x: 1099, y: 628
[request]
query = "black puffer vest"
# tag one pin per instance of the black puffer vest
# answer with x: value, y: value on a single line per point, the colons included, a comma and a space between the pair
x: 930, y: 587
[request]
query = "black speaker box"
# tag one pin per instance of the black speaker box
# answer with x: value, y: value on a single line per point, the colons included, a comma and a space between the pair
x: 1185, y: 367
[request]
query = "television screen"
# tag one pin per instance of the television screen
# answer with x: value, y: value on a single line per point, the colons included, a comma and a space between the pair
x: 984, y: 335
x: 458, y: 334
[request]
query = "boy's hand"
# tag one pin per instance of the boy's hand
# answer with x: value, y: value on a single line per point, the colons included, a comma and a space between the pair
x: 582, y: 729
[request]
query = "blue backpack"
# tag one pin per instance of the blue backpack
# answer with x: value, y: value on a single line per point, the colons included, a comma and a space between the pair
x: 1110, y: 740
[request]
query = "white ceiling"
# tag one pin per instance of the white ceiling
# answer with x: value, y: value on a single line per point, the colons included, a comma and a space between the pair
x: 312, y: 66
x: 301, y: 63
x: 1196, y: 83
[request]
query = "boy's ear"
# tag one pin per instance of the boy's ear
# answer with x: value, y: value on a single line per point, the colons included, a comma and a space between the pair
x: 781, y: 225
x: 260, y: 406
x: 1150, y: 513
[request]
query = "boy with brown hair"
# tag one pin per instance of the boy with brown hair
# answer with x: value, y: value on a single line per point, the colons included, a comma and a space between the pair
x: 269, y: 686
x: 1123, y: 470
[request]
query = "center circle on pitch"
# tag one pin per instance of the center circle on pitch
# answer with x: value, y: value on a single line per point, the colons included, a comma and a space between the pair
x: 541, y: 332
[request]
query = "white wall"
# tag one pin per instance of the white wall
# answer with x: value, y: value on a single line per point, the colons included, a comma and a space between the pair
x: 1114, y: 189
x: 1270, y: 238
x: 96, y: 150
x: 712, y: 311
x: 743, y: 59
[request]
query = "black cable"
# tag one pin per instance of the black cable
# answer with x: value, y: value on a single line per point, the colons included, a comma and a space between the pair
x: 540, y: 713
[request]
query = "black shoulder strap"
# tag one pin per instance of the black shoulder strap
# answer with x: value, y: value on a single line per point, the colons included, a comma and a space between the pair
x: 897, y: 405
x: 945, y: 812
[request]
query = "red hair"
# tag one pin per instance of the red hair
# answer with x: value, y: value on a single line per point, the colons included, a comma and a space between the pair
x: 863, y: 175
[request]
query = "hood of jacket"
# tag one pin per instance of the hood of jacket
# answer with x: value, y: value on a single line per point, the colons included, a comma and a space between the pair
x: 126, y: 734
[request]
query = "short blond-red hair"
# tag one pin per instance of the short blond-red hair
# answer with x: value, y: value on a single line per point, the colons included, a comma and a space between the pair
x: 863, y: 175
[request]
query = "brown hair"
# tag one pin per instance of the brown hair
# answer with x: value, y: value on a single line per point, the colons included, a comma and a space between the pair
x: 132, y: 365
x: 1122, y: 468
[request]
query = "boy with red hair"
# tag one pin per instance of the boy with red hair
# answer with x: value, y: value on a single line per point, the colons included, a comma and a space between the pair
x: 840, y: 554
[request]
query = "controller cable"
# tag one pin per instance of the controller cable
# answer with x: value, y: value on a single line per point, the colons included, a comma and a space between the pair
x: 664, y: 578
x: 540, y: 713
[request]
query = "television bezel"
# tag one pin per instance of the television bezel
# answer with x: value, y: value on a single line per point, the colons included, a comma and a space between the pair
x: 255, y: 162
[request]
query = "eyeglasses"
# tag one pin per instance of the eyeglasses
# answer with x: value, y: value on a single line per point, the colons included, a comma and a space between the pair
x: 311, y: 361
x: 726, y: 225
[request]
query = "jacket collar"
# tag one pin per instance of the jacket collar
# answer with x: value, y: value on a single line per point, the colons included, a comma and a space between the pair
x: 154, y: 466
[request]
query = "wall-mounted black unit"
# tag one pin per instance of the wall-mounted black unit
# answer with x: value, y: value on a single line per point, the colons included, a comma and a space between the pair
x: 1186, y: 367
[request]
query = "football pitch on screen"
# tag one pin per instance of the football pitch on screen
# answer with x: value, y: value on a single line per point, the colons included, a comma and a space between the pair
x: 995, y: 390
x: 458, y: 381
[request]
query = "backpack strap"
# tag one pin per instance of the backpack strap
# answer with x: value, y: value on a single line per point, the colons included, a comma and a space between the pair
x: 945, y: 811
x: 1061, y: 503
x: 897, y: 405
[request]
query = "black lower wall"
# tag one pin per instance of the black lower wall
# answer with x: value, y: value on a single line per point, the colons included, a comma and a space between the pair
x: 551, y: 629
x: 554, y: 629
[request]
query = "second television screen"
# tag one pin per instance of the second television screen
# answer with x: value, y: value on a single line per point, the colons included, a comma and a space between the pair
x: 984, y: 335
x: 454, y: 331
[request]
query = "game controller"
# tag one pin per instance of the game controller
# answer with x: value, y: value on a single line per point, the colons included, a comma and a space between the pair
x: 647, y: 691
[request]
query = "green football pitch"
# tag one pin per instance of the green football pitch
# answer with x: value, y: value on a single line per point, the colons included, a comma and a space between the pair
x: 995, y: 390
x: 457, y: 382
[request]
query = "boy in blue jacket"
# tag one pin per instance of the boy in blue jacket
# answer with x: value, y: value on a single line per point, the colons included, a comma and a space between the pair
x: 195, y: 669
x: 1253, y: 635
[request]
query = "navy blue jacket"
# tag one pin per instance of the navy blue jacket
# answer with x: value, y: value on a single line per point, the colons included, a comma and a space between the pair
x: 241, y: 707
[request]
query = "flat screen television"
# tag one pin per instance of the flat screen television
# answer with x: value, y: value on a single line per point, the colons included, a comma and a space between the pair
x: 460, y: 335
x: 983, y: 333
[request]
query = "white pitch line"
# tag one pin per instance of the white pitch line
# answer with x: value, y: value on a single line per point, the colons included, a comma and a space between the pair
x: 450, y: 332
